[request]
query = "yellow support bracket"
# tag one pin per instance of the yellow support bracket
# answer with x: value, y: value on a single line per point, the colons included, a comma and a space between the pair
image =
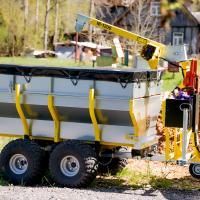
x: 55, y: 117
x: 177, y: 144
x: 97, y: 130
x: 195, y: 153
x: 167, y: 142
x: 133, y: 119
x: 20, y: 111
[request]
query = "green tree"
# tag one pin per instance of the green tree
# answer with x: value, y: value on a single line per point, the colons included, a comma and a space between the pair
x: 26, y: 24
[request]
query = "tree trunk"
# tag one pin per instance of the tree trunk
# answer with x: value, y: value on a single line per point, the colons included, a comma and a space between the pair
x: 36, y: 16
x: 55, y: 38
x: 46, y: 25
x: 91, y: 10
x: 26, y: 8
x: 25, y: 13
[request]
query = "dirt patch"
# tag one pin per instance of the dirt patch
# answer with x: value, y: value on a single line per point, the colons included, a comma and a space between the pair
x: 156, y: 168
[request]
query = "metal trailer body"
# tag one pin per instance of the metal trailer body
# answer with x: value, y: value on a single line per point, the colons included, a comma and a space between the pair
x: 126, y: 112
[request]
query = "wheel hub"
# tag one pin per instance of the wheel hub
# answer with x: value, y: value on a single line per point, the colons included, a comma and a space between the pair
x: 196, y: 169
x: 69, y: 166
x: 18, y: 164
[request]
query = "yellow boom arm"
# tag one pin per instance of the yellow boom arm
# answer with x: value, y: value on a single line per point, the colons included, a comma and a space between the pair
x: 151, y: 50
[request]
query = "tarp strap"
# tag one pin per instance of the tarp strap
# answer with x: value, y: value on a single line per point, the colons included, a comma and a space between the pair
x: 73, y: 79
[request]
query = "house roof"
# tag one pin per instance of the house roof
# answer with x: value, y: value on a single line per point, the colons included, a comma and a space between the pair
x: 114, y: 2
x: 194, y: 16
x: 197, y: 16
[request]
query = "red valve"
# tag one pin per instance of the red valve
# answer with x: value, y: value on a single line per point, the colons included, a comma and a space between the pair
x: 192, y: 77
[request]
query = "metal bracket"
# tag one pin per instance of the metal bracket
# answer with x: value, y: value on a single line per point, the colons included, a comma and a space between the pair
x: 55, y: 117
x: 27, y: 78
x: 20, y: 111
x: 186, y: 136
x: 133, y: 119
x: 80, y: 22
x: 73, y: 79
x: 123, y: 83
x: 138, y: 82
x: 97, y: 130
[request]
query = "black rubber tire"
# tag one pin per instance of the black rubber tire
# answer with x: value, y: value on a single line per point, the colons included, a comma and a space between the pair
x: 34, y: 155
x: 114, y: 166
x: 86, y: 157
x: 193, y: 171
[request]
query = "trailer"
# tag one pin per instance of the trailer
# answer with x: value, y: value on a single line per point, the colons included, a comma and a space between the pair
x: 78, y: 122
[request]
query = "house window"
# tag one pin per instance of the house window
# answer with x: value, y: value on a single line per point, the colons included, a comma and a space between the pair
x: 155, y: 8
x: 177, y: 38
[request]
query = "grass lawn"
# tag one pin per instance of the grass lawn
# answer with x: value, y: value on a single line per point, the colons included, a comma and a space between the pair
x: 150, y: 174
x: 43, y: 62
x: 171, y: 80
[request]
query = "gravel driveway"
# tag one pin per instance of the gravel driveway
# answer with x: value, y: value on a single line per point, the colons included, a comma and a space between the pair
x: 53, y: 193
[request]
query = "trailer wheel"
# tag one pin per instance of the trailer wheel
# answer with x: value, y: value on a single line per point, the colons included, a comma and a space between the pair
x: 194, y: 170
x: 73, y: 164
x: 21, y: 162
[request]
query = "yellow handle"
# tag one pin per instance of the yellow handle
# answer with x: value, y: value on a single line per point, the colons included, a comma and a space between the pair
x: 55, y: 117
x: 97, y: 131
x: 20, y: 111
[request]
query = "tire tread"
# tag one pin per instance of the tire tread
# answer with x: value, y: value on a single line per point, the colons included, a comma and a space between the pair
x: 29, y: 147
x: 86, y: 152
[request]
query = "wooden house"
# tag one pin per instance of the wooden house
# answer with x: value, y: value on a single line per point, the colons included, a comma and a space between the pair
x: 185, y: 26
x: 185, y: 29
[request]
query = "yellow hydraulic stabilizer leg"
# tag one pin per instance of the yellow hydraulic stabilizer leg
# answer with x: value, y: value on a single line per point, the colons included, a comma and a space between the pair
x: 20, y: 111
x: 177, y: 143
x: 55, y: 117
x: 97, y: 131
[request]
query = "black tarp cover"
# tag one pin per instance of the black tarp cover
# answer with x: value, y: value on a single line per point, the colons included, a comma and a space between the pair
x: 83, y: 73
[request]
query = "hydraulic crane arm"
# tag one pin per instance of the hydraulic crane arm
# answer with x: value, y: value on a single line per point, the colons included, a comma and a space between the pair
x: 151, y: 50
